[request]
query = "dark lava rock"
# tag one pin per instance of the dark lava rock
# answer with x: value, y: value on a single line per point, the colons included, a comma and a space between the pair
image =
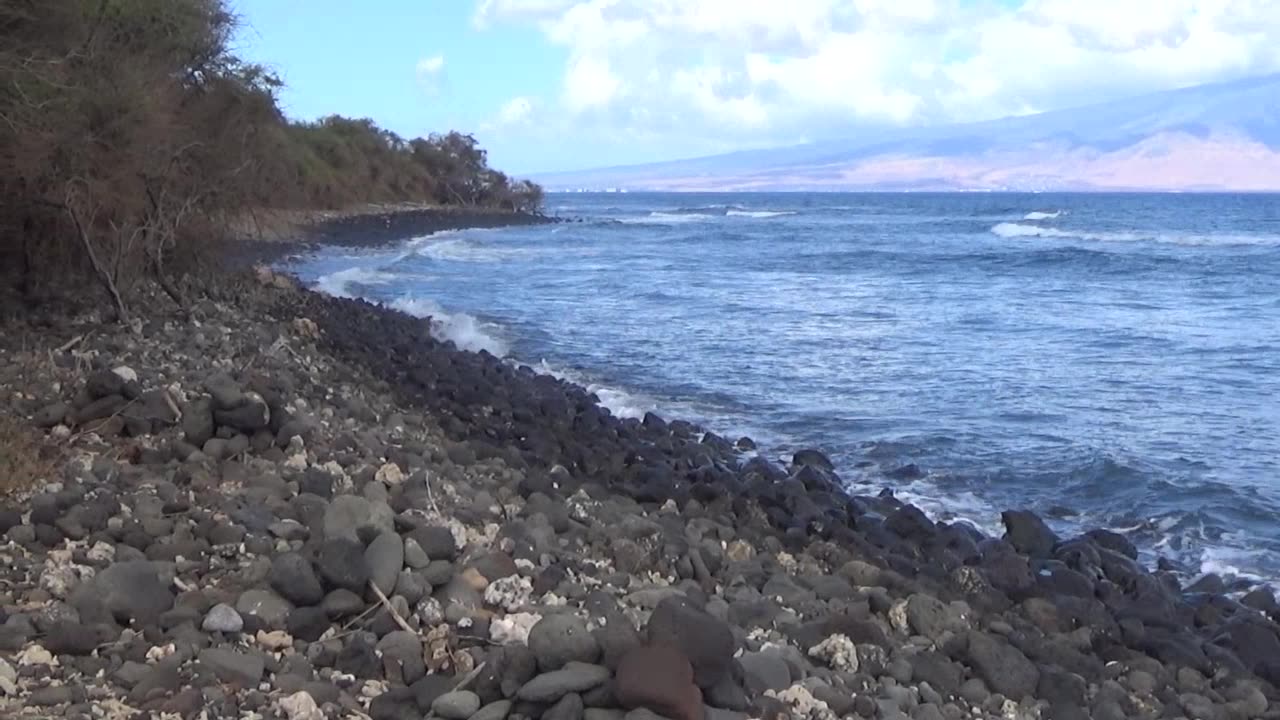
x: 575, y: 677
x: 104, y: 383
x: 1114, y: 542
x: 436, y: 541
x: 70, y: 638
x: 617, y: 638
x: 397, y: 703
x: 1028, y: 533
x: 1004, y: 668
x: 570, y: 707
x: 384, y: 559
x: 307, y: 623
x: 659, y: 679
x: 231, y: 666
x: 197, y: 422
x: 559, y: 639
x: 138, y: 591
x: 293, y: 577
x: 812, y: 458
x: 341, y: 564
x: 937, y: 670
x: 704, y: 639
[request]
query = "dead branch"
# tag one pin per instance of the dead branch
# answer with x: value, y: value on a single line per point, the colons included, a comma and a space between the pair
x: 103, y: 276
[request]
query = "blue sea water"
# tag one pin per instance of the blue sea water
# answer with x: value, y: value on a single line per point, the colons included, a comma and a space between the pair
x: 1108, y: 360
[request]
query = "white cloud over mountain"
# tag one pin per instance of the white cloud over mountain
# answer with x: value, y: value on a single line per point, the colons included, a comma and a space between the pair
x: 783, y: 70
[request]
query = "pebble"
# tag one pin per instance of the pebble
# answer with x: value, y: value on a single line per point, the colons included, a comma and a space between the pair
x: 222, y: 618
x: 457, y: 705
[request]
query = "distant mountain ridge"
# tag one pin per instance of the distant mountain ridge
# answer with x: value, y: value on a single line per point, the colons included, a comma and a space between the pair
x: 1224, y: 136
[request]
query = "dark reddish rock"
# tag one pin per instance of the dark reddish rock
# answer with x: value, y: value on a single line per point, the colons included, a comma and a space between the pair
x: 659, y: 679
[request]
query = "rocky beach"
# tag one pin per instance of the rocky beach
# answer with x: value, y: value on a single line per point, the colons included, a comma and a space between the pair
x: 279, y: 504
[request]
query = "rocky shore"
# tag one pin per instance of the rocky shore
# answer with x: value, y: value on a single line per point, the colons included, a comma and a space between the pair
x: 272, y: 236
x: 286, y: 505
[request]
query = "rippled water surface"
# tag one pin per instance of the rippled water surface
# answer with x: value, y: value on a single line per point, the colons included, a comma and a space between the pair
x: 1110, y: 360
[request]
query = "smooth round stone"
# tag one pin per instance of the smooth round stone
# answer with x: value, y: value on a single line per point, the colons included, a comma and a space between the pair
x: 458, y: 705
x: 222, y: 618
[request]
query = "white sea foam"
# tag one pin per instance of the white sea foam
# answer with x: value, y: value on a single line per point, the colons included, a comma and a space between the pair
x: 759, y: 213
x: 666, y: 218
x: 338, y: 284
x: 462, y: 329
x: 457, y: 249
x: 619, y: 402
x: 1039, y: 215
x: 1019, y: 230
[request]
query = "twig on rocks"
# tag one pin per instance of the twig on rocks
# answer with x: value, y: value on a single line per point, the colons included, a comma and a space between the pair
x: 96, y: 425
x: 431, y: 498
x: 470, y: 678
x: 382, y: 598
x: 71, y: 343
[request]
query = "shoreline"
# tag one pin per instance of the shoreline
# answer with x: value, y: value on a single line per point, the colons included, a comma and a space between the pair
x: 332, y: 427
x: 278, y: 235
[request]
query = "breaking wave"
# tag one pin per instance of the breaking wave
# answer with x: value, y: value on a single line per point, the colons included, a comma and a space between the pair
x: 1019, y: 230
x: 340, y: 283
x: 1042, y: 215
x: 463, y: 330
x: 759, y: 213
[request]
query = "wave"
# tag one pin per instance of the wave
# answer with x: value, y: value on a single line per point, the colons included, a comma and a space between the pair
x: 463, y: 330
x: 457, y: 249
x: 338, y: 284
x: 1038, y: 215
x: 759, y: 213
x: 620, y: 403
x: 1019, y: 230
x: 658, y: 217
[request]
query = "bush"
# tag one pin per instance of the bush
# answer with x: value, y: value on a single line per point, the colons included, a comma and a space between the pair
x: 131, y: 136
x: 22, y: 461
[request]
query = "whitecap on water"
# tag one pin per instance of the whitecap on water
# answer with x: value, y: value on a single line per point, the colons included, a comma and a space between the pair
x: 665, y: 218
x: 338, y: 284
x: 759, y: 213
x: 619, y: 402
x: 463, y: 330
x: 1020, y: 230
x: 459, y: 249
x: 1041, y: 215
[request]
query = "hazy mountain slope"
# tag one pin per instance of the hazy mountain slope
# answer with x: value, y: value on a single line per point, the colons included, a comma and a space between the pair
x: 1222, y: 136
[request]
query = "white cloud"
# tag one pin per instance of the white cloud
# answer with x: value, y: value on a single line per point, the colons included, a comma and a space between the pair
x: 430, y: 72
x: 590, y: 83
x: 515, y: 111
x: 755, y: 70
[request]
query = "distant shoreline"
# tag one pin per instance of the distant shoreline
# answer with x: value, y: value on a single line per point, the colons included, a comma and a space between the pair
x: 272, y: 236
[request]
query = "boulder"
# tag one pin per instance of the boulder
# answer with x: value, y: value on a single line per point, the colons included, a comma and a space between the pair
x: 704, y: 639
x: 1028, y: 533
x: 659, y: 679
x: 560, y: 639
x: 575, y: 677
x: 1004, y: 668
x: 293, y: 577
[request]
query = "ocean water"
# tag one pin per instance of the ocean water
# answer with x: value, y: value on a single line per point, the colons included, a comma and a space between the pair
x: 1108, y: 360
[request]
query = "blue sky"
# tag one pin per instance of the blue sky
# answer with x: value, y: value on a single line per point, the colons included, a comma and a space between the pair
x: 566, y: 84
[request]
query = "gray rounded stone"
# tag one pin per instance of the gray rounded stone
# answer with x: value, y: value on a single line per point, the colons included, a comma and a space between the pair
x: 222, y: 618
x: 559, y: 639
x: 384, y: 558
x: 267, y: 606
x: 457, y: 705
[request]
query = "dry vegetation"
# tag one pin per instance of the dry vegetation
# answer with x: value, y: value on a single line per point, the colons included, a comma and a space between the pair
x: 23, y: 457
x: 131, y: 135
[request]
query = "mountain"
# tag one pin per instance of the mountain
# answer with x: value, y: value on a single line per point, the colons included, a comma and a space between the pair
x: 1224, y: 136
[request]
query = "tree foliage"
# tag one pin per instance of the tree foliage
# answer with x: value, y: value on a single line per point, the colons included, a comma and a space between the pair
x: 131, y: 134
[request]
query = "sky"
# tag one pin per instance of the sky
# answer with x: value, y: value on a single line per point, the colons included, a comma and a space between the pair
x: 549, y: 85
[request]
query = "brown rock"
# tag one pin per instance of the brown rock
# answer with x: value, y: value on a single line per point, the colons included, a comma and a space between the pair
x: 658, y: 678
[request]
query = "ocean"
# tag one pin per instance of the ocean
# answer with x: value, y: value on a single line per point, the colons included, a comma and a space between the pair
x: 1106, y: 360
